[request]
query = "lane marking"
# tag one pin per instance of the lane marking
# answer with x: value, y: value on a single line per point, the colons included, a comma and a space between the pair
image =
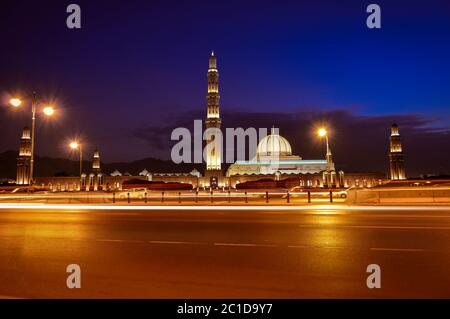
x: 258, y: 245
x: 374, y: 227
x: 390, y: 215
x: 243, y: 245
x: 119, y: 240
x: 316, y: 247
x: 176, y: 242
x: 393, y: 227
x: 397, y: 249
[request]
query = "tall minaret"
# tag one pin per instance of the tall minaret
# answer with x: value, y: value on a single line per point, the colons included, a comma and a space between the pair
x: 24, y: 159
x: 213, y: 155
x: 396, y: 163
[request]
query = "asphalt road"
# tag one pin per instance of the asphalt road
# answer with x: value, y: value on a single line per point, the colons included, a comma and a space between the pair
x: 229, y: 254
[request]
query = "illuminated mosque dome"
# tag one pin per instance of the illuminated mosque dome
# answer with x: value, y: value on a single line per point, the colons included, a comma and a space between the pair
x: 274, y: 145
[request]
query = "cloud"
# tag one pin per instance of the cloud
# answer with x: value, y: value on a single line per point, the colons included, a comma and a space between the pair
x: 159, y: 137
x: 358, y: 142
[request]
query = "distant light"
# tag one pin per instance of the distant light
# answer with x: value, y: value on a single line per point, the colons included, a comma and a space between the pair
x: 15, y: 102
x: 73, y: 145
x: 48, y: 110
x: 322, y: 132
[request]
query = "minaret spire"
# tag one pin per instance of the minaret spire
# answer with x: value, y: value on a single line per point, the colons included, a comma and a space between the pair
x: 212, y: 62
x: 213, y: 89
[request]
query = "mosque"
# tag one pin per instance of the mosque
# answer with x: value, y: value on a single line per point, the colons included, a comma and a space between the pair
x: 274, y: 160
x: 274, y: 155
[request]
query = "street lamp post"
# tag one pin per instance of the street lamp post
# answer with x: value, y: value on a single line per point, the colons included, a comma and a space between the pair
x: 322, y: 132
x: 48, y: 111
x: 74, y: 146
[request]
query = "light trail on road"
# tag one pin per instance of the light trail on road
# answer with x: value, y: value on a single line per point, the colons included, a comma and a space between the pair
x: 322, y: 208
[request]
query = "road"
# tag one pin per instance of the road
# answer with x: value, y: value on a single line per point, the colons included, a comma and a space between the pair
x: 260, y: 253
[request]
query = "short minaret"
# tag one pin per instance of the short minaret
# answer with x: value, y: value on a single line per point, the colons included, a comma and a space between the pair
x: 96, y: 177
x: 96, y: 162
x: 396, y: 162
x: 213, y: 154
x: 329, y: 157
x: 24, y: 158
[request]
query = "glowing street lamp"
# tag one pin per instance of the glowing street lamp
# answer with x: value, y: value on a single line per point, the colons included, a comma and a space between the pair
x: 15, y: 102
x: 77, y: 146
x: 48, y: 111
x: 322, y: 132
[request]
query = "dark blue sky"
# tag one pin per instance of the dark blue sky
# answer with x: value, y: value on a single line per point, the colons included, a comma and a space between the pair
x: 140, y: 66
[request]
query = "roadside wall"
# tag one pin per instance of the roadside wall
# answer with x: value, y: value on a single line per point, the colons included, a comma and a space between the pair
x: 386, y: 196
